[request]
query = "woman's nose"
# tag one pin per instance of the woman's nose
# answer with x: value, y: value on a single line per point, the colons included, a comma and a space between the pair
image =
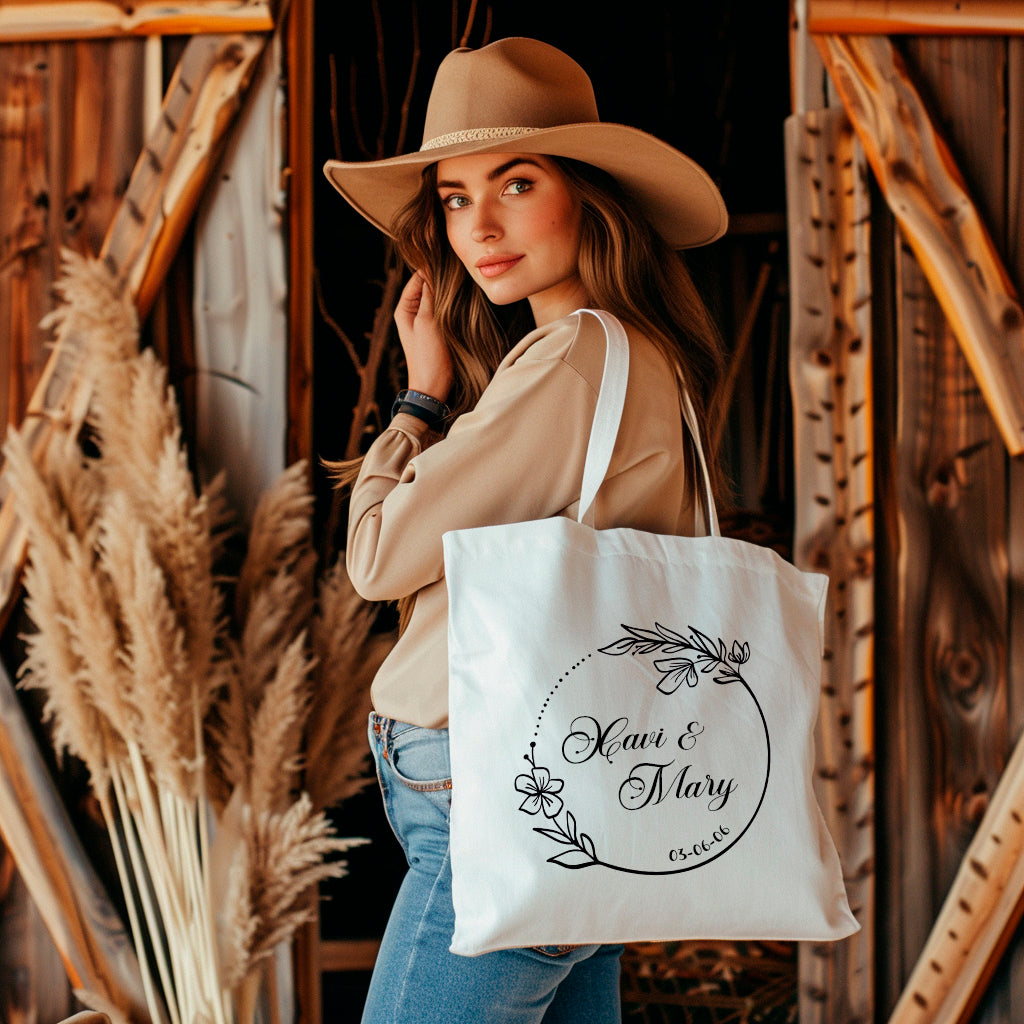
x: 486, y: 227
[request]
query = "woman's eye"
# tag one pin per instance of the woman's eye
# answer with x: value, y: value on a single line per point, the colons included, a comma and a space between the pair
x: 454, y: 202
x: 519, y: 186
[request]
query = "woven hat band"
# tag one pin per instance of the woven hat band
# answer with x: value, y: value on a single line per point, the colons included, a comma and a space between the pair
x: 473, y: 135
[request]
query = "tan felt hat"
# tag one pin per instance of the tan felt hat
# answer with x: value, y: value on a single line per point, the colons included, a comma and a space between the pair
x: 521, y: 95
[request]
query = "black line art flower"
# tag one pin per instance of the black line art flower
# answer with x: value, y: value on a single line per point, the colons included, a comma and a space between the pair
x: 540, y: 791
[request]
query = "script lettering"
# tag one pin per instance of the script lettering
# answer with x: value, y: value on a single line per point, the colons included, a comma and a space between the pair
x: 587, y: 738
x: 645, y: 785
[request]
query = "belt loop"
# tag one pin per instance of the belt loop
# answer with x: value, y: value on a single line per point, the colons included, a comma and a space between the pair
x: 382, y: 728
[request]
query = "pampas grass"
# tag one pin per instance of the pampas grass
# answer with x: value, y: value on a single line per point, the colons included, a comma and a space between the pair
x: 192, y: 697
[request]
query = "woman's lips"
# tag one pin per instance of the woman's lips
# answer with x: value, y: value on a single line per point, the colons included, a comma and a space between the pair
x: 493, y: 266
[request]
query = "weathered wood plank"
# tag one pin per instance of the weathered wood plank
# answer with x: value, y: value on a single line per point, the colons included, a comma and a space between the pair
x: 919, y: 17
x: 830, y: 375
x: 928, y: 196
x: 978, y: 917
x: 201, y: 103
x: 240, y: 303
x: 1014, y: 228
x: 97, y: 953
x: 948, y: 700
x: 34, y: 985
x: 58, y: 188
x: 24, y: 20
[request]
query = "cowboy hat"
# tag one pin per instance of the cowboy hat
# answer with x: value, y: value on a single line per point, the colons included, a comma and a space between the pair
x: 521, y: 95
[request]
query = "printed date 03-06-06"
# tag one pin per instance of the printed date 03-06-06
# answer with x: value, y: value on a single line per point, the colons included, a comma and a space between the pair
x: 701, y: 848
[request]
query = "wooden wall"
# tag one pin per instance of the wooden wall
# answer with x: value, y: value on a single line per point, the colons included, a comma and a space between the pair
x: 70, y: 133
x: 951, y: 689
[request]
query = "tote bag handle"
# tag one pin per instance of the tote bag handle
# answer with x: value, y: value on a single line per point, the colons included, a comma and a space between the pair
x: 608, y: 414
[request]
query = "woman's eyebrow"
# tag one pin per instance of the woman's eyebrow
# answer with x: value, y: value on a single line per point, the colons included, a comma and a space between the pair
x: 496, y: 173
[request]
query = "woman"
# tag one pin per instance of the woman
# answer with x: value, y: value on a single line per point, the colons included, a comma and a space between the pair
x: 520, y: 203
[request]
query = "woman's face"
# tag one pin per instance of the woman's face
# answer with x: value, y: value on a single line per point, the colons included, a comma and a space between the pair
x: 514, y: 224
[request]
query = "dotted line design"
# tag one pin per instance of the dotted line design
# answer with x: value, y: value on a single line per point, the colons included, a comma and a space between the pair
x: 567, y: 674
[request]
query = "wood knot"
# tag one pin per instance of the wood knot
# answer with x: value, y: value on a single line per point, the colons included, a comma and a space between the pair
x: 901, y: 172
x: 962, y: 671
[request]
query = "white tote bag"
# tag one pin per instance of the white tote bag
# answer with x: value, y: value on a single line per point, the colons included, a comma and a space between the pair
x: 631, y: 723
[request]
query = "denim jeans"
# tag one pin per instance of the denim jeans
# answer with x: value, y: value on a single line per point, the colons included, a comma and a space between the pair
x: 416, y: 979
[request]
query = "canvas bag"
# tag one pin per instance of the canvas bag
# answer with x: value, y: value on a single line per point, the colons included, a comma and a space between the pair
x: 631, y: 722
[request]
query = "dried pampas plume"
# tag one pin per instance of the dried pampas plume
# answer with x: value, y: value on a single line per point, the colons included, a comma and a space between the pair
x: 195, y: 696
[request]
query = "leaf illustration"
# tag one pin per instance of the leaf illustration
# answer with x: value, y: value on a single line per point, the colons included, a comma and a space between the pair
x: 558, y: 837
x: 573, y: 859
x: 588, y: 844
x: 644, y: 647
x: 728, y: 676
x: 570, y: 825
x: 642, y: 634
x: 703, y: 643
x: 623, y: 646
x: 670, y: 634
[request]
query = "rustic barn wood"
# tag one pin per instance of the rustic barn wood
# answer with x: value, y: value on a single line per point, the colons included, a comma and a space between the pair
x: 139, y: 244
x: 24, y: 20
x: 946, y: 732
x: 56, y: 188
x: 239, y: 303
x: 922, y: 17
x: 147, y: 227
x: 978, y: 918
x: 830, y: 375
x: 33, y: 979
x: 98, y: 955
x: 201, y: 103
x: 946, y: 708
x: 931, y: 203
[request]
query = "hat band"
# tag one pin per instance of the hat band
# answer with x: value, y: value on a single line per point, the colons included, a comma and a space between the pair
x: 473, y: 135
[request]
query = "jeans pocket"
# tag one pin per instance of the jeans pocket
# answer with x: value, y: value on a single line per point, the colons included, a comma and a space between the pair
x: 419, y: 758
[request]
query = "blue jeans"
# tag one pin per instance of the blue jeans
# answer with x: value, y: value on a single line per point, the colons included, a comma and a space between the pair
x: 416, y: 979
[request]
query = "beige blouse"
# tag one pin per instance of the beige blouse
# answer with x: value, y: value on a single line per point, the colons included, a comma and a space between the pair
x: 517, y: 456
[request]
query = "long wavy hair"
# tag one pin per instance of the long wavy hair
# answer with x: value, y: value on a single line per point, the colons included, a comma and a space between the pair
x: 626, y: 267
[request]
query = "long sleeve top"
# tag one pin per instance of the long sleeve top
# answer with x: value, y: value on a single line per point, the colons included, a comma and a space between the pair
x: 517, y: 456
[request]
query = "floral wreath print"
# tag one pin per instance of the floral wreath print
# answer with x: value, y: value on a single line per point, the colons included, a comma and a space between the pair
x: 683, y: 660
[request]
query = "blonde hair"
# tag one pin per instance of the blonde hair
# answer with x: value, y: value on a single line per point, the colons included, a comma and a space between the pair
x: 626, y: 267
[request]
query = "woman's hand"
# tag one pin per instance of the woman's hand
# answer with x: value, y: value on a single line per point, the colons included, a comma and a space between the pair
x: 426, y: 354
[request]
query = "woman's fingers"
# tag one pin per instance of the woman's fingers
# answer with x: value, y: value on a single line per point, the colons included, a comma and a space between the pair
x: 426, y: 354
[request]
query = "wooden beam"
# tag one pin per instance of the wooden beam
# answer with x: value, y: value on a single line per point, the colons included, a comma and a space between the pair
x: 97, y: 954
x: 830, y: 375
x: 35, y: 20
x: 978, y: 917
x: 929, y: 199
x: 916, y: 17
x: 202, y: 100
